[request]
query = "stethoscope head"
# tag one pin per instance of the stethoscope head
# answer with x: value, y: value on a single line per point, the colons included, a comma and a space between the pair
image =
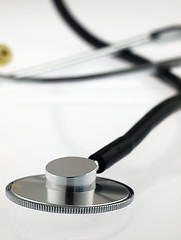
x: 70, y: 185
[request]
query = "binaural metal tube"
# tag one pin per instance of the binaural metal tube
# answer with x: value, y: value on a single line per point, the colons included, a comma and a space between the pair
x: 174, y: 62
x: 80, y: 58
x: 168, y: 33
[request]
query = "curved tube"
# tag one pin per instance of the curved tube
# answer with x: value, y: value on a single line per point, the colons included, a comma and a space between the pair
x: 122, y: 146
x: 119, y: 148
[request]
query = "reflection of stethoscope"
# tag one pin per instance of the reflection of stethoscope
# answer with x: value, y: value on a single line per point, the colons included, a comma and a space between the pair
x: 70, y: 184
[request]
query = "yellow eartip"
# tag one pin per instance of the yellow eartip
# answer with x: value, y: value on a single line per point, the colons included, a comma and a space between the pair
x: 5, y: 55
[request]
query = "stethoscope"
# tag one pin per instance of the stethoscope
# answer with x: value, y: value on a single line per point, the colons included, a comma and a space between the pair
x: 70, y: 184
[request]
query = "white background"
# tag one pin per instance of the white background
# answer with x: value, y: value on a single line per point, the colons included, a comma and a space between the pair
x: 41, y: 122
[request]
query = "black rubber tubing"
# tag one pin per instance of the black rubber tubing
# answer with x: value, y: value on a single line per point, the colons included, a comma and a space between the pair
x: 122, y: 146
x: 116, y: 150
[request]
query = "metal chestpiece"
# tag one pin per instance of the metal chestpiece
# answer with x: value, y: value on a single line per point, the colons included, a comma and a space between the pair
x: 70, y: 186
x: 71, y: 181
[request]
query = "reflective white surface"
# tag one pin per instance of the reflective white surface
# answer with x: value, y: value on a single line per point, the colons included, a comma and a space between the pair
x: 39, y: 123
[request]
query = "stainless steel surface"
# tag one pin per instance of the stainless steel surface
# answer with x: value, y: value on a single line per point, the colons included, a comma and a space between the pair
x: 31, y: 192
x: 83, y: 57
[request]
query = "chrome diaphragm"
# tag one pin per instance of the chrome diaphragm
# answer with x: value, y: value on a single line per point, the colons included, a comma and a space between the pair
x: 69, y: 185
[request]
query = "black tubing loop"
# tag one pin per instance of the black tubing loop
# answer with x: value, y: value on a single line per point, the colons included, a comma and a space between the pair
x: 119, y: 148
x: 98, y: 43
